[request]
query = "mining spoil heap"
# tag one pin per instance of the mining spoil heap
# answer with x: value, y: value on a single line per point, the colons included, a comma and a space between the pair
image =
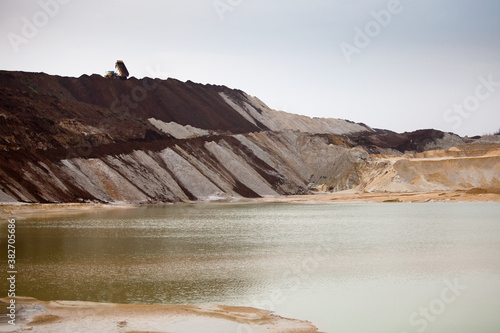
x: 91, y: 139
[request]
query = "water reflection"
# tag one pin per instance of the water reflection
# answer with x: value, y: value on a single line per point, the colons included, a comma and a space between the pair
x: 306, y: 261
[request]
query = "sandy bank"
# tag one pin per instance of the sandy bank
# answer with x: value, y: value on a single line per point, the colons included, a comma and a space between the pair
x: 474, y: 195
x: 27, y: 210
x: 65, y: 316
x: 21, y: 211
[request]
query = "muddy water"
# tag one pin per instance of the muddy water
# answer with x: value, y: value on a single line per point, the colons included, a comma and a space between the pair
x: 431, y: 267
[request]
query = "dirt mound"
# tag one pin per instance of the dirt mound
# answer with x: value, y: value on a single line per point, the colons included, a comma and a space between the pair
x: 43, y: 111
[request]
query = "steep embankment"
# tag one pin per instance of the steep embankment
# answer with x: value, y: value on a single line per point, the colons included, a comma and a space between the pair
x: 244, y: 165
x: 95, y: 139
x: 67, y: 139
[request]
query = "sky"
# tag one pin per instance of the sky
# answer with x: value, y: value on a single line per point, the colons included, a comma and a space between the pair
x: 401, y: 65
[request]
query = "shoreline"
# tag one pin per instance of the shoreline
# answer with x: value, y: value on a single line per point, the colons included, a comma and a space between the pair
x: 75, y: 316
x: 63, y: 316
x: 27, y: 210
x: 475, y: 195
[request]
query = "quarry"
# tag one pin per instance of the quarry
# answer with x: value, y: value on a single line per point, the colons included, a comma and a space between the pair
x: 75, y: 140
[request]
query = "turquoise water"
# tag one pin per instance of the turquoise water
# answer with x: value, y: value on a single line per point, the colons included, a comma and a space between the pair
x: 366, y: 267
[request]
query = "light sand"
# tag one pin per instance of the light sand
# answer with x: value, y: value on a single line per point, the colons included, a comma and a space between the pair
x: 27, y: 210
x: 22, y: 211
x: 65, y: 316
x: 475, y: 195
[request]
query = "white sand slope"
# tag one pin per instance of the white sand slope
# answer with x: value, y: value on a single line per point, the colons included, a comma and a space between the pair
x: 256, y: 111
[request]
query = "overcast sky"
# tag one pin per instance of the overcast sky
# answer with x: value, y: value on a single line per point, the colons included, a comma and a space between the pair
x: 400, y: 65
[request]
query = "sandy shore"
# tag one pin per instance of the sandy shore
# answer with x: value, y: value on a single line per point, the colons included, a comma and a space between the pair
x: 27, y: 210
x: 20, y: 210
x: 475, y: 195
x: 65, y: 316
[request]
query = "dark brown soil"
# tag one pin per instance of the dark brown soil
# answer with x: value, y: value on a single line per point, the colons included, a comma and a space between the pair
x: 33, y: 105
x: 403, y: 142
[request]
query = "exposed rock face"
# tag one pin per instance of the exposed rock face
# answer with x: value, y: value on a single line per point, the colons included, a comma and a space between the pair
x: 92, y: 139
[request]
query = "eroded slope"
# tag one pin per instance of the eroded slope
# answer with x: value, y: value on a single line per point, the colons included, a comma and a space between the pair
x: 92, y: 139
